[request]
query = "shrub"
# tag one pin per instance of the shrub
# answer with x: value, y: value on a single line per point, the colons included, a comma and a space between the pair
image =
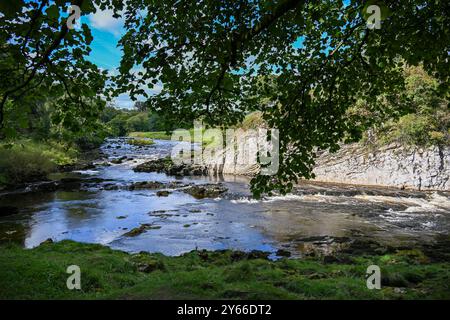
x: 27, y: 160
x: 417, y: 116
x: 140, y: 142
x: 437, y: 137
x: 413, y: 129
x: 254, y: 120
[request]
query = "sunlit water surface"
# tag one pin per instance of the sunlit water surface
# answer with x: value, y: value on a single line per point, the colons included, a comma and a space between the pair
x: 234, y: 221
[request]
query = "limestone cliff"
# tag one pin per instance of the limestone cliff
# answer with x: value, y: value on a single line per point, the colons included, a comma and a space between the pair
x: 405, y: 167
x: 393, y: 165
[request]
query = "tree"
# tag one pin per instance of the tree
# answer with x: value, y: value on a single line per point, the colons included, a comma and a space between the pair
x: 210, y: 56
x: 43, y: 60
x: 423, y: 116
x: 138, y: 122
x: 302, y: 63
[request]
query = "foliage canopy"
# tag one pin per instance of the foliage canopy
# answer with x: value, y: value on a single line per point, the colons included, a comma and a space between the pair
x: 311, y: 59
x: 43, y: 62
x: 302, y: 63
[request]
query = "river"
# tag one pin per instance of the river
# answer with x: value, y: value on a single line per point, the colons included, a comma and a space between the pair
x: 103, y: 210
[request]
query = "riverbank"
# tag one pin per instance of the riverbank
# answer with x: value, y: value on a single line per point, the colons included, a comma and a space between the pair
x: 40, y: 273
x: 403, y: 167
x: 331, y: 234
x: 27, y: 160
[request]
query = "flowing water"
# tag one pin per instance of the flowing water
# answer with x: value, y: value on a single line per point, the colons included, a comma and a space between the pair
x: 321, y: 213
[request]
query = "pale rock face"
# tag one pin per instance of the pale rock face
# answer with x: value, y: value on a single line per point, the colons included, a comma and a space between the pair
x: 393, y: 165
x: 404, y: 167
x: 238, y: 159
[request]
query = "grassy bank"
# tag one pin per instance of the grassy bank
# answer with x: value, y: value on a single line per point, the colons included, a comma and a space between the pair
x: 162, y: 135
x: 251, y: 121
x: 28, y: 160
x: 140, y: 142
x: 107, y: 274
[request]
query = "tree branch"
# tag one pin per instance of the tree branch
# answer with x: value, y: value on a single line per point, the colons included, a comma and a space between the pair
x: 239, y: 39
x: 54, y: 45
x: 36, y: 15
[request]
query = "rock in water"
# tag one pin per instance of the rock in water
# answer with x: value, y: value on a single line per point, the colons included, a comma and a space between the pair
x: 158, y: 165
x: 162, y: 193
x: 166, y: 166
x: 146, y: 185
x: 139, y: 230
x: 206, y: 190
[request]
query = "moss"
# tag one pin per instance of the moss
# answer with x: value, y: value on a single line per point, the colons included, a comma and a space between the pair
x: 140, y: 142
x: 39, y: 273
x: 160, y: 135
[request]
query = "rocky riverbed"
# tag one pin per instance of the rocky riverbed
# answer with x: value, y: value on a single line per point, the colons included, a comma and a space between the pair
x: 134, y: 199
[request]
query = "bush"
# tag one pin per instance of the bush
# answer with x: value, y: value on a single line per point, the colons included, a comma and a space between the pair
x: 437, y: 137
x: 413, y: 129
x: 140, y: 142
x: 419, y: 116
x: 27, y: 160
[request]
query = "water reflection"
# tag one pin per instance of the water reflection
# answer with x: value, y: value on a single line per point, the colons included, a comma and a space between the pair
x: 234, y: 221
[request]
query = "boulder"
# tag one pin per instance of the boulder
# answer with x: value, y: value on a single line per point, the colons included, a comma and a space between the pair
x: 206, y: 190
x: 283, y: 253
x: 146, y: 185
x: 141, y: 229
x: 166, y: 166
x: 163, y: 193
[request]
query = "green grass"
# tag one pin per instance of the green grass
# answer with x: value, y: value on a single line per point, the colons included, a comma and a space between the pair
x: 141, y: 142
x: 159, y: 135
x: 162, y: 135
x: 26, y: 160
x: 107, y: 274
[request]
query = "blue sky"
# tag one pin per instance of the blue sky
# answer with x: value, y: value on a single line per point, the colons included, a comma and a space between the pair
x: 107, y: 31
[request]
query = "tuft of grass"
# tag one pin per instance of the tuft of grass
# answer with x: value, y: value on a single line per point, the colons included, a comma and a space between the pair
x: 40, y: 273
x: 28, y: 160
x: 158, y: 135
x: 140, y: 142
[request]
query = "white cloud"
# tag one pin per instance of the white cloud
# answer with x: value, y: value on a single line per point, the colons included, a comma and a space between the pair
x: 124, y: 101
x: 104, y: 20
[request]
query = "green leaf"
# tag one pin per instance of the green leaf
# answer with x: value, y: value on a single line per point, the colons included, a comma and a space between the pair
x: 53, y: 12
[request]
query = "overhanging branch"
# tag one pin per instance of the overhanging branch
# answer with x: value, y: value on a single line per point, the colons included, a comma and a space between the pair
x: 45, y: 56
x: 239, y: 39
